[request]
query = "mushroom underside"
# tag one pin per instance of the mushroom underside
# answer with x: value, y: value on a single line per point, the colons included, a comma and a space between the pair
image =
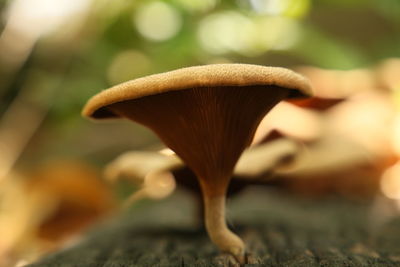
x: 208, y: 128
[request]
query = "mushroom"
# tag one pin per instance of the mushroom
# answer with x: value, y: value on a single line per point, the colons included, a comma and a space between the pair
x: 147, y: 169
x: 138, y: 164
x: 266, y: 158
x: 157, y: 172
x: 157, y: 184
x: 207, y: 115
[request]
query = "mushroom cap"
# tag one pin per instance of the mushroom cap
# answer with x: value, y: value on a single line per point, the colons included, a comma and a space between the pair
x: 195, y: 77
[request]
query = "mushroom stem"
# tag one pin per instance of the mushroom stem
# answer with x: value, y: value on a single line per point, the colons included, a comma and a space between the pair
x: 134, y: 197
x: 225, y: 239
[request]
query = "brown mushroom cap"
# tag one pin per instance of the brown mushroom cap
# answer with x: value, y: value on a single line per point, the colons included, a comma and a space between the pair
x: 207, y: 115
x: 195, y: 77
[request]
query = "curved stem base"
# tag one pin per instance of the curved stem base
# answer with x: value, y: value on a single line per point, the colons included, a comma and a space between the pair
x: 218, y: 231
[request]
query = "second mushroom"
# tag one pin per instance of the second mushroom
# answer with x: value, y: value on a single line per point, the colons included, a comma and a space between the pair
x: 207, y: 115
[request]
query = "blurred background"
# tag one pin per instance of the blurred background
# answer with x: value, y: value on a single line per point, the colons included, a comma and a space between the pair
x: 56, y: 54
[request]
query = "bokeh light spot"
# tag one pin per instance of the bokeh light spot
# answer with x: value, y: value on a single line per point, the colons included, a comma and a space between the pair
x: 128, y: 65
x: 289, y: 8
x: 197, y: 6
x: 232, y: 31
x: 390, y: 182
x: 278, y: 33
x: 157, y: 21
x: 228, y: 31
x: 396, y: 134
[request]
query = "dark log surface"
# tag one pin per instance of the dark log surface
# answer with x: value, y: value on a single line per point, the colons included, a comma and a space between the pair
x: 279, y: 230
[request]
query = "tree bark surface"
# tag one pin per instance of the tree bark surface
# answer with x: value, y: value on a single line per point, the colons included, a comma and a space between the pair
x: 278, y: 229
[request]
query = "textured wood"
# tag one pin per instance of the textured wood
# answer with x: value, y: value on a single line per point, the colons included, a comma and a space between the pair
x: 279, y: 230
